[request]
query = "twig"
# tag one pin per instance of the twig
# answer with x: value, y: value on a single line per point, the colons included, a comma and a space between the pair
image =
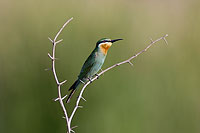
x: 109, y: 68
x: 59, y: 84
x: 56, y: 99
x: 52, y: 57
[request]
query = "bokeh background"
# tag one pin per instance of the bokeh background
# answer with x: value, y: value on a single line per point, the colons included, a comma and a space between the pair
x: 160, y: 94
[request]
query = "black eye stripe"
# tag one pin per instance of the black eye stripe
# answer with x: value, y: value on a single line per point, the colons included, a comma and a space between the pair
x: 104, y: 41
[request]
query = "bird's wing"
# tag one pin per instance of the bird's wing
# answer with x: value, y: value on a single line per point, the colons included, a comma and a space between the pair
x: 89, y: 63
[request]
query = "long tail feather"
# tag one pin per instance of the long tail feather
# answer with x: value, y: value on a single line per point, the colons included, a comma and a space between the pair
x: 73, y: 88
x: 70, y: 96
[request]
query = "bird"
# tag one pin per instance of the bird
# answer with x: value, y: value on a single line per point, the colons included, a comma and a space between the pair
x: 92, y: 64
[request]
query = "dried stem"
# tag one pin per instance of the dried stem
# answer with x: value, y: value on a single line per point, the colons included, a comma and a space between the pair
x: 111, y: 67
x: 59, y: 84
x: 53, y: 58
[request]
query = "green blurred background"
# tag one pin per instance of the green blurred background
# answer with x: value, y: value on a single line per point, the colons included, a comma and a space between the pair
x: 160, y: 94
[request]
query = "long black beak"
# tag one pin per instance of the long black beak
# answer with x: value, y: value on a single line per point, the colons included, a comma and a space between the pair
x: 115, y: 40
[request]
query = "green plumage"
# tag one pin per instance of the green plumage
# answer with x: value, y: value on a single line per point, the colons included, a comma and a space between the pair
x: 91, y: 66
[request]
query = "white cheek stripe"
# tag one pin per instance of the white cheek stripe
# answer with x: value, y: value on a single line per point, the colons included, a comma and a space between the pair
x: 109, y: 43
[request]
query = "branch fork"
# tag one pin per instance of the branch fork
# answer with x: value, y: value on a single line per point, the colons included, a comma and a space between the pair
x: 59, y: 84
x: 66, y: 116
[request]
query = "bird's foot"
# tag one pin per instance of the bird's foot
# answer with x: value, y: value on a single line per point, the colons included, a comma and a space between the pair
x: 97, y: 76
x: 90, y: 80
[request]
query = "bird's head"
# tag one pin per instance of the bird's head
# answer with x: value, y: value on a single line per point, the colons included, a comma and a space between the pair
x: 104, y: 44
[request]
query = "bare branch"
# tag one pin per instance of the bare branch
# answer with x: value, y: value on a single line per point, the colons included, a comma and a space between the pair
x: 132, y: 57
x: 109, y: 68
x: 78, y: 101
x: 74, y: 127
x: 62, y: 29
x: 59, y: 84
x: 54, y: 42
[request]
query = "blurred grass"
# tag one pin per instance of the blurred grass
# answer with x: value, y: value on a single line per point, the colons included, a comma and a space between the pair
x: 159, y: 94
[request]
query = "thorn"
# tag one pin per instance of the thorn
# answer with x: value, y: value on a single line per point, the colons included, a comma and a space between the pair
x: 47, y: 69
x: 151, y: 40
x: 50, y: 56
x: 56, y: 99
x: 165, y: 40
x: 64, y: 97
x: 130, y: 63
x: 74, y: 127
x: 50, y: 39
x: 80, y: 106
x: 82, y: 81
x: 59, y: 41
x: 72, y: 131
x: 63, y: 82
x: 83, y: 98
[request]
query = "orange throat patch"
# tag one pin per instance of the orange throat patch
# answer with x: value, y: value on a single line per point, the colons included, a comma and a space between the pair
x: 104, y: 47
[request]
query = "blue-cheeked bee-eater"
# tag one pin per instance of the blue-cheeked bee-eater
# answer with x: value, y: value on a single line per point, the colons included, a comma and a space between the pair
x: 93, y: 63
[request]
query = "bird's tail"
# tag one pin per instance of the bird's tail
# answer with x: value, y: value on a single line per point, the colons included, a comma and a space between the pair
x: 73, y: 89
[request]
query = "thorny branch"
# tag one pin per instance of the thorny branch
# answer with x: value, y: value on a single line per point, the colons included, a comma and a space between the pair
x: 111, y: 67
x: 59, y: 84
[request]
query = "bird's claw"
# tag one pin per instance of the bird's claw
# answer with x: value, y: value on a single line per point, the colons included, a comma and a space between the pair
x: 97, y: 76
x: 90, y: 80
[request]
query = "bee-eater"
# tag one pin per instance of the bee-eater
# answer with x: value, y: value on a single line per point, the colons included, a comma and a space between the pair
x: 93, y: 63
